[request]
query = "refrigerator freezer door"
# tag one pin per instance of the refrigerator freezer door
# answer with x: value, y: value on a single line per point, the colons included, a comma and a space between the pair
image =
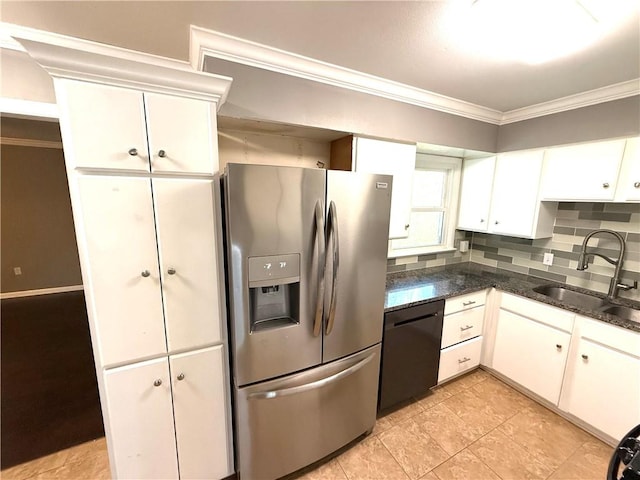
x: 286, y: 424
x: 271, y: 218
x: 355, y: 316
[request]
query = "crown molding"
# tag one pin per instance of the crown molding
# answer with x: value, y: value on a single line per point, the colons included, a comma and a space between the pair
x: 208, y: 43
x: 579, y: 100
x: 68, y: 57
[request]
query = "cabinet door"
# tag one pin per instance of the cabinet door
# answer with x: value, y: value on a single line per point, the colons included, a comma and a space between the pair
x: 200, y: 409
x: 582, y: 172
x: 119, y: 259
x: 605, y: 388
x: 475, y: 194
x: 628, y: 189
x: 514, y: 200
x: 102, y: 126
x: 530, y: 353
x: 389, y: 158
x: 140, y: 421
x: 185, y: 216
x: 182, y: 134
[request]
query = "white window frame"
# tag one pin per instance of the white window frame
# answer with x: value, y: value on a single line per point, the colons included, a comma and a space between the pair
x: 453, y: 166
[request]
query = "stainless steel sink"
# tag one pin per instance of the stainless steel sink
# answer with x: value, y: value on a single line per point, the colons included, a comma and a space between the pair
x: 571, y: 297
x: 621, y: 311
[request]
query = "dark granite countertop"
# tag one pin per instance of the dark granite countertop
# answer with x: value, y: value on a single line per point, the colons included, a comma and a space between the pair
x: 414, y: 287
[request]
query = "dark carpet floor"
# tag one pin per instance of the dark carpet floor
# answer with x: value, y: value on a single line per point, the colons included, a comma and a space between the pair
x: 49, y: 394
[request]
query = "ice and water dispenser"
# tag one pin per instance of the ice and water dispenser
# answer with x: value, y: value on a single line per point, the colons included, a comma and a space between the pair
x: 274, y: 291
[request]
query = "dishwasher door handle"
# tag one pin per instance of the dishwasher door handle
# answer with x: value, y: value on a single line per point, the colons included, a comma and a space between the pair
x: 412, y: 320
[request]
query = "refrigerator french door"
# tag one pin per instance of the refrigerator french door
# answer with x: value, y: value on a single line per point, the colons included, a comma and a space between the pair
x: 306, y: 264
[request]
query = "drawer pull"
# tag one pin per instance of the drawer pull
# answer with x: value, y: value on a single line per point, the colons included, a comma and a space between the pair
x: 465, y: 359
x: 585, y: 357
x: 558, y: 346
x: 468, y: 327
x: 470, y: 302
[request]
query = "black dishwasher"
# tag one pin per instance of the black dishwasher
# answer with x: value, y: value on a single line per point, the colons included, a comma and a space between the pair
x: 410, y: 352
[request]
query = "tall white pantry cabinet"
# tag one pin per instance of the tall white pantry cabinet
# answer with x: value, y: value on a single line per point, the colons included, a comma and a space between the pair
x: 140, y: 142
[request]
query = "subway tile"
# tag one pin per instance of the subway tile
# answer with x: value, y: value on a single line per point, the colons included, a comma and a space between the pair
x: 548, y: 275
x: 567, y: 214
x: 622, y: 207
x: 564, y: 230
x: 537, y: 257
x: 588, y: 224
x: 560, y: 238
x: 499, y: 258
x: 396, y: 268
x: 486, y: 261
x: 562, y: 262
x: 523, y: 241
x: 513, y: 268
x: 485, y: 248
x: 406, y: 260
x: 391, y: 261
x: 425, y: 258
x: 416, y: 266
x: 436, y: 263
x: 567, y: 206
x: 564, y: 254
x: 606, y: 216
x: 449, y: 261
x: 446, y: 254
x: 569, y: 272
x: 633, y: 237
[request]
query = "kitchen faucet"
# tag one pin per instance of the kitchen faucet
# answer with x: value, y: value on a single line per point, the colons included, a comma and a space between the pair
x: 585, y: 257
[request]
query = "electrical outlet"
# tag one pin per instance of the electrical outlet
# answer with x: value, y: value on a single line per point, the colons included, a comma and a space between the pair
x: 464, y: 246
x: 17, y: 271
x: 547, y: 259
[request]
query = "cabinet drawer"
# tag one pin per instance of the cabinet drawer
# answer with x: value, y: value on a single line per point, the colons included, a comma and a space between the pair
x: 462, y: 326
x: 609, y: 335
x: 465, y: 302
x: 459, y: 358
x: 552, y: 316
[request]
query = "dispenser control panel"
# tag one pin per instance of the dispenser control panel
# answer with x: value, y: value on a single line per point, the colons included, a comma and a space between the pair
x: 274, y: 270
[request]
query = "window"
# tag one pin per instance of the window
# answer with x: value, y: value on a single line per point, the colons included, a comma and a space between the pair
x: 434, y: 203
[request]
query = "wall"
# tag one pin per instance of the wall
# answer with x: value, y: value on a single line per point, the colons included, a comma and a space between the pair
x: 618, y: 118
x: 573, y: 222
x: 22, y: 78
x: 37, y: 232
x: 416, y: 262
x: 263, y: 95
x: 247, y: 147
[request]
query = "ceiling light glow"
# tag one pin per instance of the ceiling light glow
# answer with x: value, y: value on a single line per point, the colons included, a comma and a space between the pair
x: 533, y: 31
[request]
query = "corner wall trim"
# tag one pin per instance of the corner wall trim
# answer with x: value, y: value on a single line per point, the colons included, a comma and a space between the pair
x: 41, y: 291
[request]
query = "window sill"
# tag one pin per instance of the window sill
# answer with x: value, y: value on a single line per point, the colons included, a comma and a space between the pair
x: 410, y: 252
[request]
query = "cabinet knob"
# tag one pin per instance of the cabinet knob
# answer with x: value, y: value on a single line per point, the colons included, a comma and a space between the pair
x: 180, y: 376
x: 636, y: 184
x: 171, y: 271
x: 406, y: 227
x: 605, y: 185
x: 585, y: 357
x: 145, y: 273
x: 133, y: 152
x: 157, y: 383
x: 558, y: 346
x: 482, y: 220
x: 497, y: 222
x: 162, y: 153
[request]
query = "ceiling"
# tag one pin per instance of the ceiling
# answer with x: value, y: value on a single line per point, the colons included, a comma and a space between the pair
x: 414, y: 43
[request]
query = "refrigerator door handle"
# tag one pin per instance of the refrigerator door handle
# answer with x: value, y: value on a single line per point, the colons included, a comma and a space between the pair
x: 312, y: 385
x: 333, y: 216
x: 320, y: 242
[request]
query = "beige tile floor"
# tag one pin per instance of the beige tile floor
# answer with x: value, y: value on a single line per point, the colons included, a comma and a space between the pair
x: 473, y: 428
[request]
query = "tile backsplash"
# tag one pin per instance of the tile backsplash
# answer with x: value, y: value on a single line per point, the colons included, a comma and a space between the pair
x: 573, y: 222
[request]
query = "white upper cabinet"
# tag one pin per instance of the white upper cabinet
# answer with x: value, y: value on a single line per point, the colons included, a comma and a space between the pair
x: 500, y: 195
x: 586, y: 172
x: 475, y: 193
x: 390, y: 158
x: 628, y: 189
x: 135, y: 131
x: 515, y: 206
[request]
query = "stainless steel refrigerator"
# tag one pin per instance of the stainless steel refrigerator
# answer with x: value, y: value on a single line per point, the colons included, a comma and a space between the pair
x: 306, y: 265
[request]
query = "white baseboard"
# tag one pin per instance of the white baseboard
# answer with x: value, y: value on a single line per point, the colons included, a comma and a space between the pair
x: 41, y: 291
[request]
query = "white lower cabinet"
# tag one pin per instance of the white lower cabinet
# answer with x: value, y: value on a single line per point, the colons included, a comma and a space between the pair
x: 602, y: 383
x: 159, y: 407
x: 531, y: 353
x: 140, y: 421
x: 461, y: 343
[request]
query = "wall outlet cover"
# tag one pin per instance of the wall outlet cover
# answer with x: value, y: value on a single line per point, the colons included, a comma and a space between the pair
x: 464, y: 246
x: 547, y: 259
x: 17, y: 271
